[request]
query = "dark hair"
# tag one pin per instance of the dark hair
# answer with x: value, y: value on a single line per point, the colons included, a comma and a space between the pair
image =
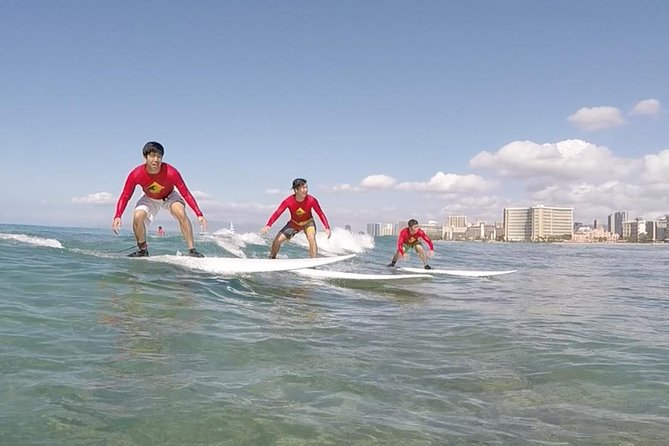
x: 153, y: 146
x: 299, y: 182
x: 412, y: 222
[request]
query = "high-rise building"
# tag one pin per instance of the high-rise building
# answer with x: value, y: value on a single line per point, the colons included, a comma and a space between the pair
x: 548, y: 222
x: 374, y: 229
x: 379, y: 229
x: 433, y: 230
x: 517, y: 224
x: 538, y: 223
x: 635, y: 231
x: 388, y: 229
x: 616, y: 221
x: 455, y: 227
x: 456, y: 221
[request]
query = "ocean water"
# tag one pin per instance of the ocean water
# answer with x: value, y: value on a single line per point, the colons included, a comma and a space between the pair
x: 99, y: 349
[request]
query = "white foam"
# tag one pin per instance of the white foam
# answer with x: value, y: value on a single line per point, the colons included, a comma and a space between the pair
x: 31, y: 240
x: 234, y: 242
x: 341, y: 241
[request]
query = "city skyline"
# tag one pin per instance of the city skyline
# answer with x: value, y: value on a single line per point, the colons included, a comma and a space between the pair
x: 517, y: 225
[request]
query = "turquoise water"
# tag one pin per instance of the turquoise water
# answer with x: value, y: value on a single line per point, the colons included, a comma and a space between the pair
x: 97, y: 349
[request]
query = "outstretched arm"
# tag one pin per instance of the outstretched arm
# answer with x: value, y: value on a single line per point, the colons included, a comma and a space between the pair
x: 427, y: 239
x: 183, y: 189
x: 126, y: 194
x: 401, y: 238
x: 272, y: 218
x: 317, y: 208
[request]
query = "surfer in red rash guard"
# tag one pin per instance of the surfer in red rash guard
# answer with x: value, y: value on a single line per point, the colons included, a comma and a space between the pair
x: 409, y: 238
x: 158, y: 181
x: 300, y: 205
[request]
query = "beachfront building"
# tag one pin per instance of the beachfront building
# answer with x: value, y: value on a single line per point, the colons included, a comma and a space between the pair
x: 480, y: 231
x: 552, y: 223
x: 651, y: 231
x: 635, y: 230
x: 538, y: 223
x: 388, y: 229
x: 616, y: 221
x: 455, y: 228
x: 517, y: 224
x: 644, y: 231
x: 374, y: 229
x: 380, y: 229
x: 598, y: 234
x: 433, y: 230
x: 662, y: 233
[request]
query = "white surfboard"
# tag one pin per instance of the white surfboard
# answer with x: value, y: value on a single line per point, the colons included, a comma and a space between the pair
x: 343, y: 275
x: 229, y: 265
x: 458, y: 272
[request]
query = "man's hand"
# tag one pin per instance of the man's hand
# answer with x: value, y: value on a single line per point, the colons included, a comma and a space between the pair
x: 264, y: 229
x: 328, y: 232
x: 203, y: 223
x: 116, y: 225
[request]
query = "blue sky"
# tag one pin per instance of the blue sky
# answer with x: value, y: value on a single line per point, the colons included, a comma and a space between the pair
x: 390, y: 109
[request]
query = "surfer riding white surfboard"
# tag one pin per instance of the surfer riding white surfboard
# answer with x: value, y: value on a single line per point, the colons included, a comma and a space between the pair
x: 158, y: 180
x: 300, y: 205
x: 409, y: 238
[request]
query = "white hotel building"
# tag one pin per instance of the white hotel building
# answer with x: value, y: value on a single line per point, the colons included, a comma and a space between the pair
x: 538, y: 223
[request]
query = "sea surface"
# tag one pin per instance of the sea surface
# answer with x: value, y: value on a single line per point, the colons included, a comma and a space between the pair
x: 100, y: 349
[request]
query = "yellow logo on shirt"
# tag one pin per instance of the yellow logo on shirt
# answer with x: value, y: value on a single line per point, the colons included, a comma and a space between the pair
x: 155, y: 188
x: 300, y: 212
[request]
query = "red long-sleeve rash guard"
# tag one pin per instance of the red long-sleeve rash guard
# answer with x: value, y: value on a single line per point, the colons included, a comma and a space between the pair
x: 406, y: 237
x: 300, y: 211
x: 156, y: 186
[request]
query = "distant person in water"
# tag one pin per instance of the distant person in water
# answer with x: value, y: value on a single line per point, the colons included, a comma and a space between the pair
x: 300, y: 205
x: 158, y: 181
x: 409, y: 238
x: 161, y: 231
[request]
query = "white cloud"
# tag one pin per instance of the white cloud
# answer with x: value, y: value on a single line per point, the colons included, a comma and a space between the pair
x: 378, y: 182
x: 596, y: 118
x: 272, y: 191
x: 99, y: 198
x: 570, y: 159
x: 204, y: 196
x: 449, y: 183
x: 440, y: 182
x: 371, y: 182
x: 599, y: 200
x: 648, y: 107
x: 584, y: 176
x: 344, y: 188
x: 656, y: 168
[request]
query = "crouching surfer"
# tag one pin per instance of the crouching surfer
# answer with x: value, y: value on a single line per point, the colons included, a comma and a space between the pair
x: 300, y: 205
x: 158, y: 181
x: 409, y: 238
